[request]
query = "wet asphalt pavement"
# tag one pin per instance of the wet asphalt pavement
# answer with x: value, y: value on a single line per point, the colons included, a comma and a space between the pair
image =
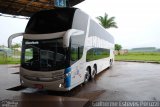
x: 125, y: 81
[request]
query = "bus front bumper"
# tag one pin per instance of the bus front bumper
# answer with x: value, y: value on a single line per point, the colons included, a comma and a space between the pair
x: 53, y: 85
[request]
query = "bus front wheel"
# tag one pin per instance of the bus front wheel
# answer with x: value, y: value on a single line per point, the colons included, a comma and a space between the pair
x: 111, y: 62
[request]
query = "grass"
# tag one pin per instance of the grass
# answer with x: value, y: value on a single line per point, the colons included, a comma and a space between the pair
x: 8, y: 60
x: 13, y: 61
x: 140, y: 56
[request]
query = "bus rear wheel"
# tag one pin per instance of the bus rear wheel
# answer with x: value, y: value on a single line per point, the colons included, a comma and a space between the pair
x: 87, y: 76
x: 93, y: 72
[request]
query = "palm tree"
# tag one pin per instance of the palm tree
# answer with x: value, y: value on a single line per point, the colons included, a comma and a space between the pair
x: 107, y: 22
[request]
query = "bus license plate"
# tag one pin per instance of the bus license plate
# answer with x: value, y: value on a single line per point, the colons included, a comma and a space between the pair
x: 39, y: 86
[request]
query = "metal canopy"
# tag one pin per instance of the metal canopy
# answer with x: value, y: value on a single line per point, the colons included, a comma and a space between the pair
x: 28, y: 7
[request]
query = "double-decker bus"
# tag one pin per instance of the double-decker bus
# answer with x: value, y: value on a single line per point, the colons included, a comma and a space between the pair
x: 63, y: 48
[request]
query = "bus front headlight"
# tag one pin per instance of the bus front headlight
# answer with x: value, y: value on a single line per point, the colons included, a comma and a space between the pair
x: 61, y: 85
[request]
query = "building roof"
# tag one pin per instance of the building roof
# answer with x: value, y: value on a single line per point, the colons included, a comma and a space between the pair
x: 28, y: 7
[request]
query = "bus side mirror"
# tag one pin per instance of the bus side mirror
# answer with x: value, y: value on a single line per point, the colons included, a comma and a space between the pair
x: 12, y: 37
x: 68, y: 34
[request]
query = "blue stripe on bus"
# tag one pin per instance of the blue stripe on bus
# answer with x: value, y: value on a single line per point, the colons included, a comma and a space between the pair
x: 68, y: 78
x: 67, y: 70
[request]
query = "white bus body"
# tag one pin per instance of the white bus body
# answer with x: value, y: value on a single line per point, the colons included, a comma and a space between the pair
x: 63, y: 48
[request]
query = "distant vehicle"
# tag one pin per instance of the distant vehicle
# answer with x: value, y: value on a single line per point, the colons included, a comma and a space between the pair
x: 63, y: 48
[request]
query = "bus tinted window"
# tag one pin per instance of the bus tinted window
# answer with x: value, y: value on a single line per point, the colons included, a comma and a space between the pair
x: 74, y: 53
x: 97, y: 53
x: 50, y: 21
x: 77, y: 45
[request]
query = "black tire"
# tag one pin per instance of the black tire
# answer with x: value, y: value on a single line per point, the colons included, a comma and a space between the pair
x: 94, y: 72
x: 111, y: 62
x: 87, y: 76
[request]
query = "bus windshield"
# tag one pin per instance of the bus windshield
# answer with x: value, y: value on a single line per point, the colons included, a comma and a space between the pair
x: 44, y: 55
x: 50, y: 21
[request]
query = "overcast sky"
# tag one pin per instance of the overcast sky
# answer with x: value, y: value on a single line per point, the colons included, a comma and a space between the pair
x: 138, y: 21
x: 9, y: 26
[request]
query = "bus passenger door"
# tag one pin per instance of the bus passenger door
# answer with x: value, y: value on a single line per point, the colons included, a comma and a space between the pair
x: 76, y: 57
x: 77, y: 64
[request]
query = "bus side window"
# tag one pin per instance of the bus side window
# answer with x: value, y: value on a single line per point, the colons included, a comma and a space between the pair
x: 74, y: 53
x: 76, y: 48
x: 80, y: 51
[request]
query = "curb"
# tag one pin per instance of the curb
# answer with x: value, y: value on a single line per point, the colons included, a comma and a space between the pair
x: 138, y: 61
